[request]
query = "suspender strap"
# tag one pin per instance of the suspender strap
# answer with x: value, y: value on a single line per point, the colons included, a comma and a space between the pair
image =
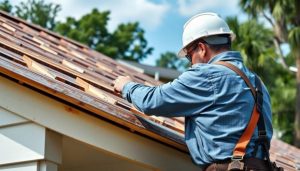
x: 240, y: 148
x: 262, y: 135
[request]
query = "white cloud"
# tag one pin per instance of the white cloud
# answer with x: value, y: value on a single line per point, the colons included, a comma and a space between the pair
x: 224, y: 8
x: 149, y: 14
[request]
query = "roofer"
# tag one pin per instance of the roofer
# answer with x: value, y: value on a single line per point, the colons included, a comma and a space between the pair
x: 218, y: 103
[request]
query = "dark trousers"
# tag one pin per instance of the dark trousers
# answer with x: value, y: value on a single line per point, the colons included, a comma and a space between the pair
x: 251, y: 164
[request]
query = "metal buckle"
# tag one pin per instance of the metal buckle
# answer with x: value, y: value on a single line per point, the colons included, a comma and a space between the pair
x: 262, y: 134
x: 237, y: 158
x: 236, y: 163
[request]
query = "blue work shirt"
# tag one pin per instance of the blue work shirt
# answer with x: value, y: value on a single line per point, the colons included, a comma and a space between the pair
x: 216, y: 104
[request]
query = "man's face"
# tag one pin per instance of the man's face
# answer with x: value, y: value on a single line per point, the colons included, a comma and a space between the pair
x: 190, y: 51
x: 195, y: 52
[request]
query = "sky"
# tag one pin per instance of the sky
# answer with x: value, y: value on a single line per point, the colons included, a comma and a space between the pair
x: 162, y: 20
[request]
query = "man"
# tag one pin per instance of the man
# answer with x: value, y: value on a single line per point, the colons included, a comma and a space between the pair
x: 215, y: 101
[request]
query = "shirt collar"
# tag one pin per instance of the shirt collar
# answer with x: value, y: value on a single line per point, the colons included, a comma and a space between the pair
x: 226, y: 56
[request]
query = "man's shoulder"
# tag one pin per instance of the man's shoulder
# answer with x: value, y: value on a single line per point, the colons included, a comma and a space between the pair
x: 209, y: 70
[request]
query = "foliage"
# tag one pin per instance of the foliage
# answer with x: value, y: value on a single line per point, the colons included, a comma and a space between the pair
x: 90, y: 29
x: 255, y: 42
x: 171, y: 60
x: 6, y: 6
x: 284, y: 17
x: 38, y: 12
x: 283, y: 95
x: 294, y: 39
x: 126, y: 42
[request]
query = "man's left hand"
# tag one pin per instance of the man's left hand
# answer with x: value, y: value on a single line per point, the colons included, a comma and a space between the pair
x: 120, y: 82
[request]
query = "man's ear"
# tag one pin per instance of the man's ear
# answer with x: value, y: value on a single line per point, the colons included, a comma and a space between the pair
x: 203, y: 49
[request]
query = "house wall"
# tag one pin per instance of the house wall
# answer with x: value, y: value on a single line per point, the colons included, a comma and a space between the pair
x: 26, y: 146
x: 105, y: 137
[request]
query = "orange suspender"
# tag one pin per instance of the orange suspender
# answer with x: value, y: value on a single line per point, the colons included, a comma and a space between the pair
x: 240, y: 148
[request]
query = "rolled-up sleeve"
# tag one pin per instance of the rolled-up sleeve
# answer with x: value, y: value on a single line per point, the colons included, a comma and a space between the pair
x: 188, y: 95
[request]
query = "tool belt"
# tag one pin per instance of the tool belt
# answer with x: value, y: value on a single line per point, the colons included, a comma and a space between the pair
x: 257, y: 119
x: 250, y: 164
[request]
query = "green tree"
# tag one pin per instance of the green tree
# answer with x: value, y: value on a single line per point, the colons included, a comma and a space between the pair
x: 255, y: 42
x: 284, y: 17
x: 283, y: 95
x: 6, y: 6
x: 125, y: 42
x: 34, y: 11
x: 128, y: 42
x: 38, y: 12
x: 171, y: 60
x: 90, y: 29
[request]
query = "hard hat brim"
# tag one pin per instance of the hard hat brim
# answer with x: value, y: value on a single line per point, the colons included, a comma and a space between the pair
x: 181, y: 53
x: 210, y: 39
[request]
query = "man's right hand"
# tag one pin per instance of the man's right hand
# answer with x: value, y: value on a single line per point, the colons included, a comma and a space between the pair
x: 120, y: 82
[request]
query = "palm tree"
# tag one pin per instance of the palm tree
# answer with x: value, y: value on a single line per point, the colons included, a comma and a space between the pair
x: 254, y: 41
x: 284, y: 17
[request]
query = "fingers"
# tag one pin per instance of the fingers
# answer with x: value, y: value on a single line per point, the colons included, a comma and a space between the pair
x: 120, y: 82
x: 116, y: 85
x: 115, y: 81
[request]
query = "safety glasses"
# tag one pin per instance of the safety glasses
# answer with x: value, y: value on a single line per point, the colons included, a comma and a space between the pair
x: 189, y: 51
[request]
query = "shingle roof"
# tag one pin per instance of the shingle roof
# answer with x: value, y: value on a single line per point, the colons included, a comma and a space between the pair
x: 285, y: 155
x: 79, y: 75
x: 74, y: 73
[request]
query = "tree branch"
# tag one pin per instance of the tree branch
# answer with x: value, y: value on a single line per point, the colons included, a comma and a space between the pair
x: 280, y: 53
x: 268, y: 19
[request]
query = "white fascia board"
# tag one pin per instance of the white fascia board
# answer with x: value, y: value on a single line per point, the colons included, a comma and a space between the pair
x: 91, y: 130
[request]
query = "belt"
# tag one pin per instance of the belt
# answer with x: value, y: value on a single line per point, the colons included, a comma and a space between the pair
x: 251, y: 163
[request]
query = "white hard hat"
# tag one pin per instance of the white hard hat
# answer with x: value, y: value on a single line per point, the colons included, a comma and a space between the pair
x: 206, y: 26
